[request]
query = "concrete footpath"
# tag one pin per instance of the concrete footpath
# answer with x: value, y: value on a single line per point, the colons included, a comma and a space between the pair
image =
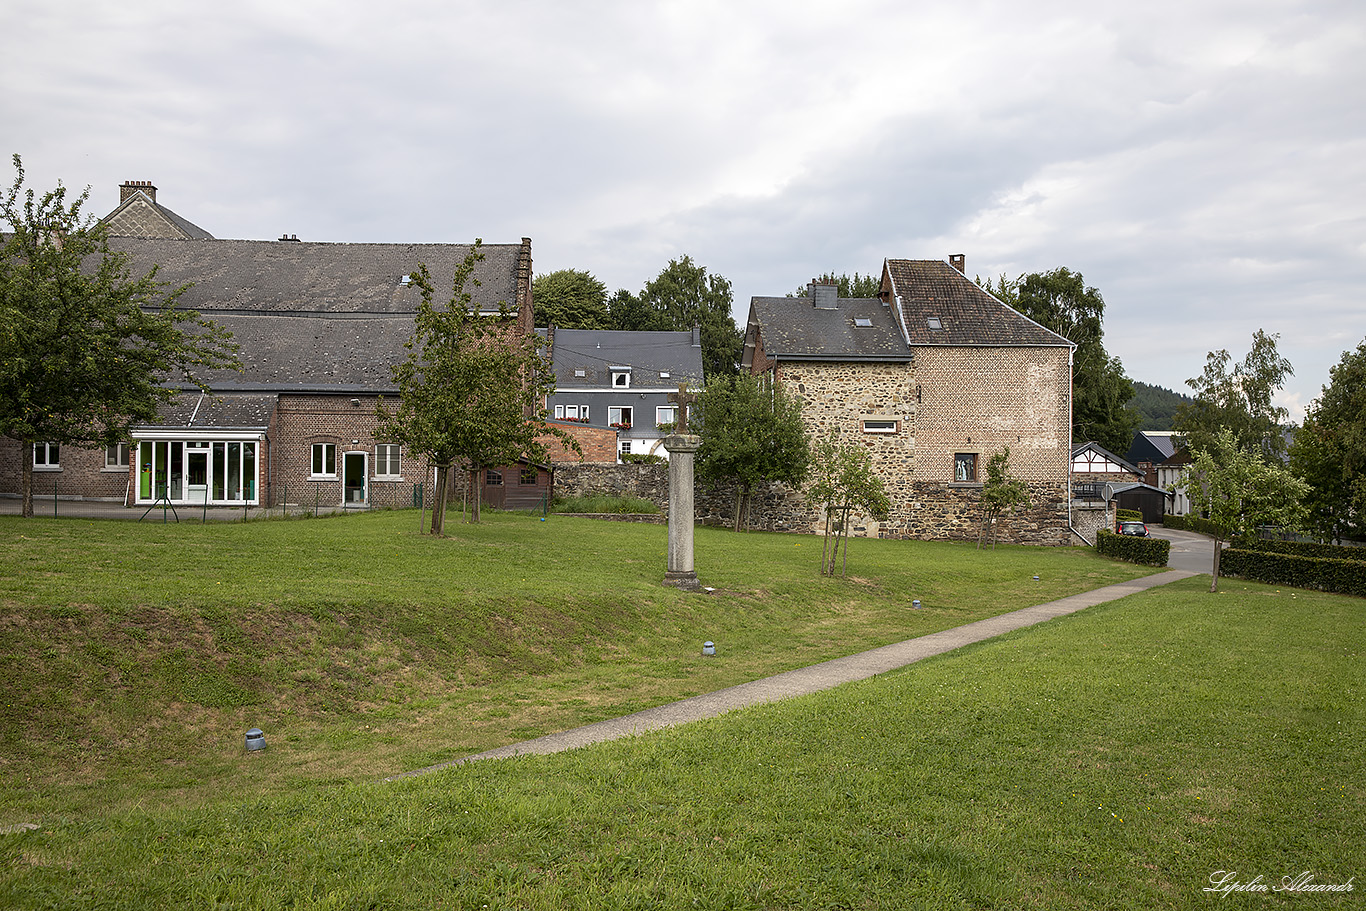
x: 812, y: 679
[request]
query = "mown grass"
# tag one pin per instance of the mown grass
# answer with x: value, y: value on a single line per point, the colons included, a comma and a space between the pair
x: 136, y: 656
x: 1116, y: 758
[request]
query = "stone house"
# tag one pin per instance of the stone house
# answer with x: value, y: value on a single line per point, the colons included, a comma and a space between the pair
x: 932, y: 376
x: 620, y: 381
x: 319, y: 326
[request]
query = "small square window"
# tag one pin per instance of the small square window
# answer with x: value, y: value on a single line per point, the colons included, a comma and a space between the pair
x: 621, y: 379
x: 965, y: 467
x: 47, y: 455
x: 116, y: 455
x: 493, y: 478
x: 666, y: 414
x: 324, y: 460
x: 529, y: 475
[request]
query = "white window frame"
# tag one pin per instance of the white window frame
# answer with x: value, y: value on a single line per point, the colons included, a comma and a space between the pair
x: 623, y: 447
x: 614, y: 414
x: 621, y: 379
x: 881, y: 425
x: 51, y: 456
x: 323, y: 450
x: 389, y: 461
x: 666, y: 414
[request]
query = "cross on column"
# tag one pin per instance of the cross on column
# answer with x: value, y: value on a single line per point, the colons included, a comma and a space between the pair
x: 683, y: 398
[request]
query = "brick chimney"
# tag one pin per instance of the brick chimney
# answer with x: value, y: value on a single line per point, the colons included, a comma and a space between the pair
x: 959, y: 261
x: 129, y: 187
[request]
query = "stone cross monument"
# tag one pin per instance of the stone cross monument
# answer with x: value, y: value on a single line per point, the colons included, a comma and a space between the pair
x: 682, y: 446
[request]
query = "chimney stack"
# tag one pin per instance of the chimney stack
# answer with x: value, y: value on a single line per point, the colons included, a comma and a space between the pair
x: 825, y: 295
x: 959, y: 261
x: 129, y: 187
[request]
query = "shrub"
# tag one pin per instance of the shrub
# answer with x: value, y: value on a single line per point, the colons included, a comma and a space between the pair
x: 1343, y: 577
x: 1193, y: 523
x: 1303, y: 549
x: 1128, y: 515
x: 1146, y: 551
x: 604, y: 503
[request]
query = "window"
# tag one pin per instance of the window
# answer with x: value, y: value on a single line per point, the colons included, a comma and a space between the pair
x: 572, y: 412
x: 324, y: 460
x: 666, y: 414
x: 581, y: 373
x: 934, y: 322
x: 664, y: 374
x: 493, y: 478
x: 965, y: 467
x: 624, y: 447
x: 388, y: 460
x: 619, y: 417
x: 621, y: 377
x: 879, y: 426
x: 116, y: 456
x: 529, y: 475
x: 863, y: 322
x: 47, y: 455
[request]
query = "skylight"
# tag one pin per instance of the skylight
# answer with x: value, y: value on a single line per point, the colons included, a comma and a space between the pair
x: 863, y: 322
x: 935, y: 323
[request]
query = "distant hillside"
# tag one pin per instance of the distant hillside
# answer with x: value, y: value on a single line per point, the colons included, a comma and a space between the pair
x: 1155, y: 405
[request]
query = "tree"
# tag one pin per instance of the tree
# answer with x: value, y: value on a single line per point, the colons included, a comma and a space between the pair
x: 630, y: 314
x: 471, y: 390
x: 1239, y: 490
x: 752, y: 432
x: 87, y: 349
x: 1061, y: 301
x: 1239, y: 399
x: 1329, y: 451
x: 684, y: 295
x: 849, y: 285
x: 843, y: 481
x: 570, y: 299
x: 1001, y: 494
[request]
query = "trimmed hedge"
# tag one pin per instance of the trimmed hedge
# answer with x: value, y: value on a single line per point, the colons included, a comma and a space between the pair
x: 1342, y: 577
x: 1193, y: 523
x: 1304, y: 549
x: 1147, y: 551
x: 1128, y: 515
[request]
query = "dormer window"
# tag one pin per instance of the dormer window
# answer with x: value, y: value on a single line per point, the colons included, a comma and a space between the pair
x: 621, y: 377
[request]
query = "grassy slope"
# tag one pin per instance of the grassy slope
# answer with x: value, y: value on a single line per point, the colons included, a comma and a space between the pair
x: 135, y: 656
x: 1112, y: 759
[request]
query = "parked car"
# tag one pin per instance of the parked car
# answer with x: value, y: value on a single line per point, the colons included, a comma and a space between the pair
x: 1137, y: 529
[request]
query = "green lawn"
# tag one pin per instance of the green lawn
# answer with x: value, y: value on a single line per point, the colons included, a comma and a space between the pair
x: 1115, y: 758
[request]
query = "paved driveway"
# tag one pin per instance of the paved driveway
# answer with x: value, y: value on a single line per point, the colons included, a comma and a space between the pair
x: 1190, y: 551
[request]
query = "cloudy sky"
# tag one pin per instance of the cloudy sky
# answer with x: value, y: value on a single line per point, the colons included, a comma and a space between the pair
x: 1202, y: 163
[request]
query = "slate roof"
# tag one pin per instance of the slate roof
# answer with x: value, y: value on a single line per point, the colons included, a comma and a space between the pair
x: 233, y: 411
x: 1156, y: 446
x: 596, y: 351
x: 316, y: 317
x: 794, y: 328
x: 926, y: 288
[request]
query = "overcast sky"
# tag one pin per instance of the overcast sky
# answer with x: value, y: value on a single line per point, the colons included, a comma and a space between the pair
x: 1202, y: 163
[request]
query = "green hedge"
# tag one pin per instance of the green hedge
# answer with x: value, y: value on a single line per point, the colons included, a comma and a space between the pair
x: 1304, y: 549
x: 1148, y: 551
x: 1343, y: 577
x: 1192, y: 523
x: 1128, y: 515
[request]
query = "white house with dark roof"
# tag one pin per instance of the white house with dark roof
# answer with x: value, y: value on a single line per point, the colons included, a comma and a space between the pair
x: 621, y: 380
x: 319, y: 327
x: 933, y: 376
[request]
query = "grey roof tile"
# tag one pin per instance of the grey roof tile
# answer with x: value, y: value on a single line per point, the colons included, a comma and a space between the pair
x: 794, y: 328
x: 925, y: 289
x: 596, y: 351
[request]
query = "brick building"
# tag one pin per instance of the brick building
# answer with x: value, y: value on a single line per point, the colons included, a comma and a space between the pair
x: 319, y: 326
x: 933, y: 376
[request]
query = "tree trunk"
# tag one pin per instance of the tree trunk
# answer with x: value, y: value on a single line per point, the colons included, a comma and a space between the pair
x: 739, y: 504
x: 26, y: 461
x: 443, y: 473
x: 476, y: 494
x: 825, y: 550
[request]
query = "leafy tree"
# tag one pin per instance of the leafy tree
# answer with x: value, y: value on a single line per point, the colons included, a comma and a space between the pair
x: 630, y: 314
x: 1061, y: 301
x: 471, y: 390
x: 87, y: 349
x: 570, y: 299
x: 1329, y: 451
x: 1238, y: 398
x: 1239, y: 490
x: 683, y: 296
x: 752, y: 432
x: 1001, y: 494
x: 849, y: 285
x: 843, y: 481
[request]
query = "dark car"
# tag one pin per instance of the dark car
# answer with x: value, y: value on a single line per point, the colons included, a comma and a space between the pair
x: 1137, y: 529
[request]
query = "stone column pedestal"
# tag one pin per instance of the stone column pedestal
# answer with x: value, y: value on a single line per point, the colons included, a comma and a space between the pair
x: 682, y: 516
